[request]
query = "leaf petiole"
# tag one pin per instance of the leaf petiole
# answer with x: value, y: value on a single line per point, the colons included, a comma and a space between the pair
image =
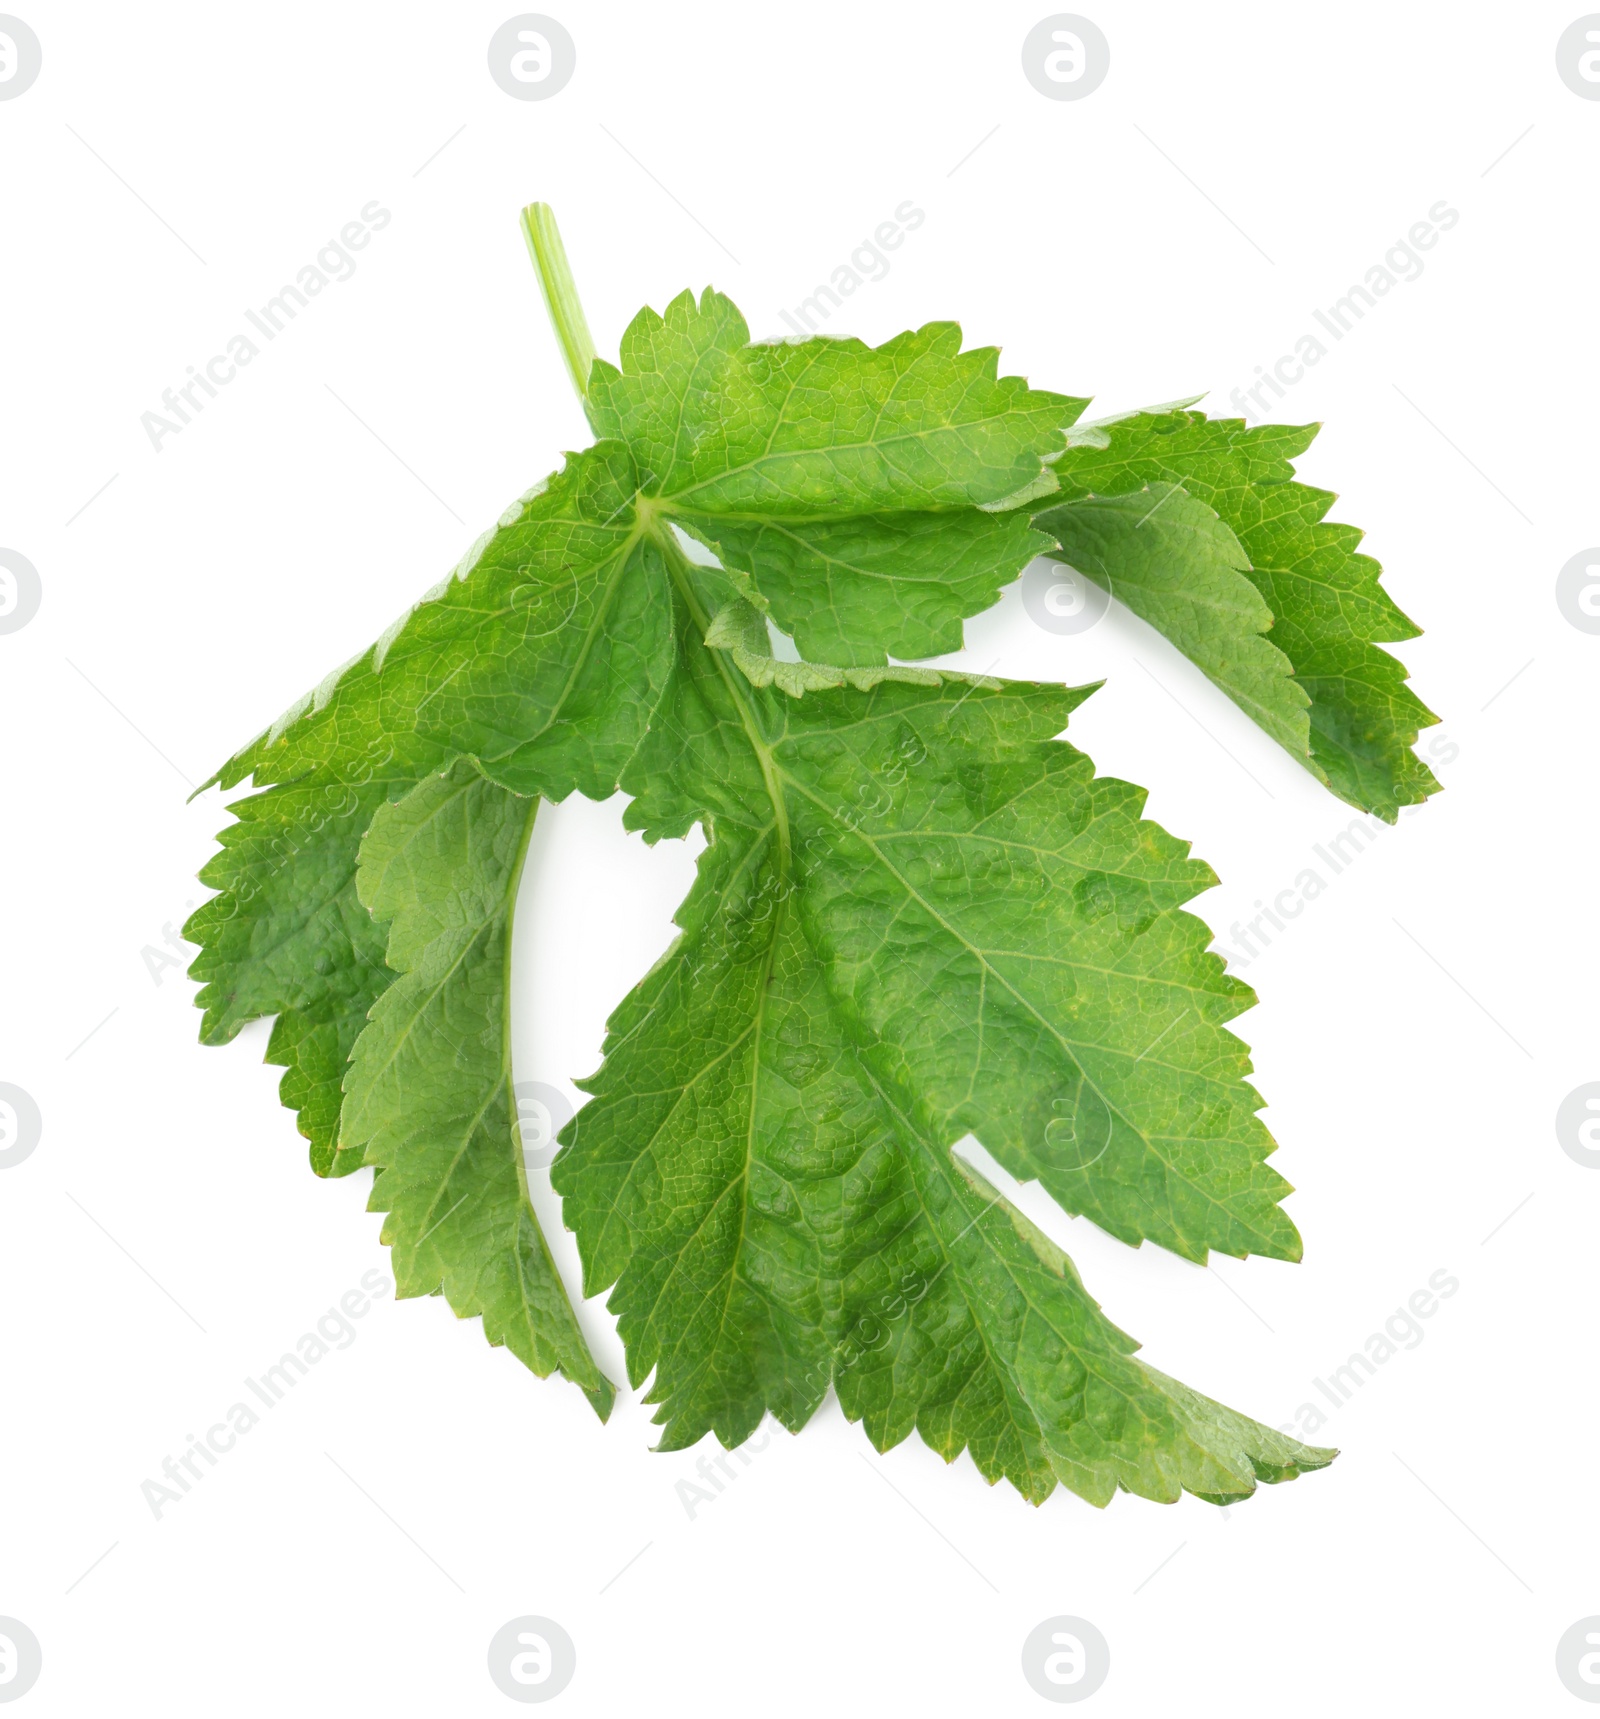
x: 560, y: 294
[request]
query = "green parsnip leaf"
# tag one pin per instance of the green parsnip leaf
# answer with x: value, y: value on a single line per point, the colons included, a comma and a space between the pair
x: 1003, y: 924
x: 429, y: 1095
x: 755, y: 1174
x: 286, y: 935
x: 1330, y: 611
x: 1008, y: 927
x: 542, y: 656
x: 822, y: 429
x: 313, y: 1054
x: 920, y: 916
x: 778, y: 1224
x: 1177, y: 566
x: 831, y: 472
x: 855, y: 591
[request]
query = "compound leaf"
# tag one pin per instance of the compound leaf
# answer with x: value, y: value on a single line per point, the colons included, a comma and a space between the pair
x: 766, y: 1162
x: 919, y: 915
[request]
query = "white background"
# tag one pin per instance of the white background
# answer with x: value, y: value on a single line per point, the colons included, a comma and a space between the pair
x: 1418, y: 1024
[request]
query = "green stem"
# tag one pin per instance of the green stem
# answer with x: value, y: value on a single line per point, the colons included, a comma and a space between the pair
x: 560, y: 294
x: 577, y: 347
